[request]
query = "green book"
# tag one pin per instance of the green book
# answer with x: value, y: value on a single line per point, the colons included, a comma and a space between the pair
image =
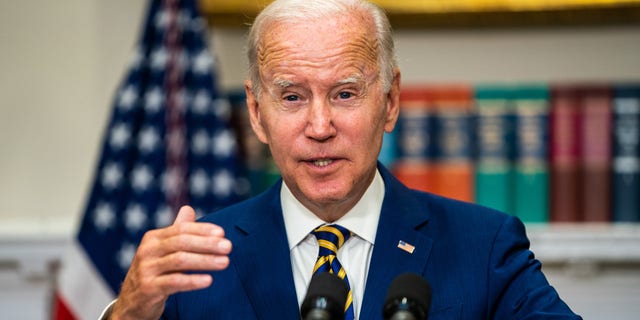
x: 531, y: 191
x: 493, y: 141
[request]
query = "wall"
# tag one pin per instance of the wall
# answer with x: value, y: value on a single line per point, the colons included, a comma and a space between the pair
x: 62, y: 61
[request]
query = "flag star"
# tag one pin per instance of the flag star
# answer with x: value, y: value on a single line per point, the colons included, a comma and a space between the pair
x: 199, y: 183
x: 222, y: 109
x: 111, y: 176
x: 162, y: 19
x: 127, y: 97
x: 222, y: 183
x: 104, y: 216
x: 148, y: 139
x: 135, y: 218
x: 136, y: 59
x: 198, y: 25
x: 142, y: 178
x: 202, y: 62
x: 163, y: 217
x: 200, y: 142
x: 159, y: 58
x: 125, y: 255
x: 201, y: 102
x: 119, y: 136
x: 224, y: 143
x: 153, y: 100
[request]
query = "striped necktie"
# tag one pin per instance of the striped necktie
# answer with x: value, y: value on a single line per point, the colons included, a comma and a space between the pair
x: 331, y: 238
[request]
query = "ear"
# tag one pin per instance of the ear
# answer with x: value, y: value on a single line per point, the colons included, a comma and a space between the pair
x: 393, y: 103
x: 253, y: 106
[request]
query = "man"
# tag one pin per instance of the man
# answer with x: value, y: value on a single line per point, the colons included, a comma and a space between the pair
x: 323, y: 88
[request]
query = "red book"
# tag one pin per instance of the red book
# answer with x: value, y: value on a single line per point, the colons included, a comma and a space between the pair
x: 596, y: 153
x: 565, y: 155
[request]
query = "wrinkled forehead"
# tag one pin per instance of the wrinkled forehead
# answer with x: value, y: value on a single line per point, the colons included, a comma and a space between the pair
x: 349, y: 38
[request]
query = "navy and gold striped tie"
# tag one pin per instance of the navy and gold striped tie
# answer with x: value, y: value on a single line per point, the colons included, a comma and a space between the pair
x: 331, y: 238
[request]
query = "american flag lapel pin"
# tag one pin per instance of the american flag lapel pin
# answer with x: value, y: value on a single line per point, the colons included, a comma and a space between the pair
x: 405, y: 246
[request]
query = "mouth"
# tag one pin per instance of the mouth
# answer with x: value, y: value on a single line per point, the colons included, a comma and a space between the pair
x: 321, y: 162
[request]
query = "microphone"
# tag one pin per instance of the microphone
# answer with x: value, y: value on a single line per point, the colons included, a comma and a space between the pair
x: 408, y: 298
x: 325, y: 299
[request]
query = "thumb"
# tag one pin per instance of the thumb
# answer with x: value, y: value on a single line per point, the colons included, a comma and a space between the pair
x: 186, y: 214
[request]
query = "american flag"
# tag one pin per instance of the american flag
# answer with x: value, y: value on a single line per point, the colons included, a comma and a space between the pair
x: 168, y: 143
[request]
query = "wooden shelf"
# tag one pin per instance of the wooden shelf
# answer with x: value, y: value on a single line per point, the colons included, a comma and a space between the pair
x: 436, y: 14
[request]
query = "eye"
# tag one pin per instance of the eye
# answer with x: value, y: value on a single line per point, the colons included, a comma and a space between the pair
x: 291, y: 98
x: 345, y: 95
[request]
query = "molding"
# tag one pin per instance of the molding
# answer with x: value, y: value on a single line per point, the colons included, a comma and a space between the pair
x: 599, y: 243
x: 454, y: 14
x: 33, y: 253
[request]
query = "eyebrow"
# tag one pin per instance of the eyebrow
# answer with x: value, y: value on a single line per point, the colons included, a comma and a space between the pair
x: 284, y: 83
x: 354, y: 78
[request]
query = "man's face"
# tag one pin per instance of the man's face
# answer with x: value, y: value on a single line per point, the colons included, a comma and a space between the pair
x: 323, y: 109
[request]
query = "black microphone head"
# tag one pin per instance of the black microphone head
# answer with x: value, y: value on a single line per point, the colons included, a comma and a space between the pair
x: 408, y: 292
x: 327, y: 294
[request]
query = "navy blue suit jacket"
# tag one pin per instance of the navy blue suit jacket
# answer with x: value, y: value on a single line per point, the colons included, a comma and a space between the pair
x: 477, y: 261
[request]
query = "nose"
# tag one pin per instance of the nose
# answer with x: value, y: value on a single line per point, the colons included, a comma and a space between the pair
x: 320, y: 125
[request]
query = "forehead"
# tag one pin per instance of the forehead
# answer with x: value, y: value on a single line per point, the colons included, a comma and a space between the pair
x: 338, y: 41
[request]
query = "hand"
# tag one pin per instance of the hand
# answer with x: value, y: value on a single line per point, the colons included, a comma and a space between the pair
x: 157, y: 270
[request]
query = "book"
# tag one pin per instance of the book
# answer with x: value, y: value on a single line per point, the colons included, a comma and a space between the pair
x: 626, y: 153
x: 531, y: 176
x: 453, y: 163
x: 414, y: 149
x: 564, y: 155
x: 494, y: 137
x: 595, y: 140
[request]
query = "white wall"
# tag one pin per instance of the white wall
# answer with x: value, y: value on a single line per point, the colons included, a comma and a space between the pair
x: 60, y: 62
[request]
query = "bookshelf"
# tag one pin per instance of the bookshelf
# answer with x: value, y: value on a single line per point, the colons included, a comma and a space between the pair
x: 462, y: 13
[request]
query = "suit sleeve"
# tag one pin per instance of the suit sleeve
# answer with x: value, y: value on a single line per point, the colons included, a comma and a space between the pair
x: 517, y: 287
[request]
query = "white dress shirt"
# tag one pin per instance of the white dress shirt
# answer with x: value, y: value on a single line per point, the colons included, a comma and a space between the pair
x: 354, y: 255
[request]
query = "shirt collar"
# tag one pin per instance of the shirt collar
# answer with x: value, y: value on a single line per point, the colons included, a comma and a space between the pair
x: 362, y: 219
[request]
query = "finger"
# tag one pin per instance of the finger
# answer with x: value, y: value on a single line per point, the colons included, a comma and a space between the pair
x: 196, y: 244
x: 177, y: 282
x: 187, y: 261
x: 185, y: 214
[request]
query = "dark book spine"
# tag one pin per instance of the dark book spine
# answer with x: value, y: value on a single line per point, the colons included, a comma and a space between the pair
x: 626, y: 154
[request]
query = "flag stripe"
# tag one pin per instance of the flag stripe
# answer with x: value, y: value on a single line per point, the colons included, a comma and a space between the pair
x: 81, y: 289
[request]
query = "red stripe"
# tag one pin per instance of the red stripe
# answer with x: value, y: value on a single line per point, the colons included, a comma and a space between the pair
x: 60, y: 310
x: 176, y: 158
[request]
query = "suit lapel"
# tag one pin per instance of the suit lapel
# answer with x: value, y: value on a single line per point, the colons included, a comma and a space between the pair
x: 263, y: 261
x: 400, y: 220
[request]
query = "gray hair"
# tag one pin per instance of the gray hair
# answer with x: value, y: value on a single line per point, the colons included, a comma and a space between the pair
x: 302, y: 10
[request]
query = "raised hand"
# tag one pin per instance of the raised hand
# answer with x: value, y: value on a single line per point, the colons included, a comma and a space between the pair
x: 158, y: 268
